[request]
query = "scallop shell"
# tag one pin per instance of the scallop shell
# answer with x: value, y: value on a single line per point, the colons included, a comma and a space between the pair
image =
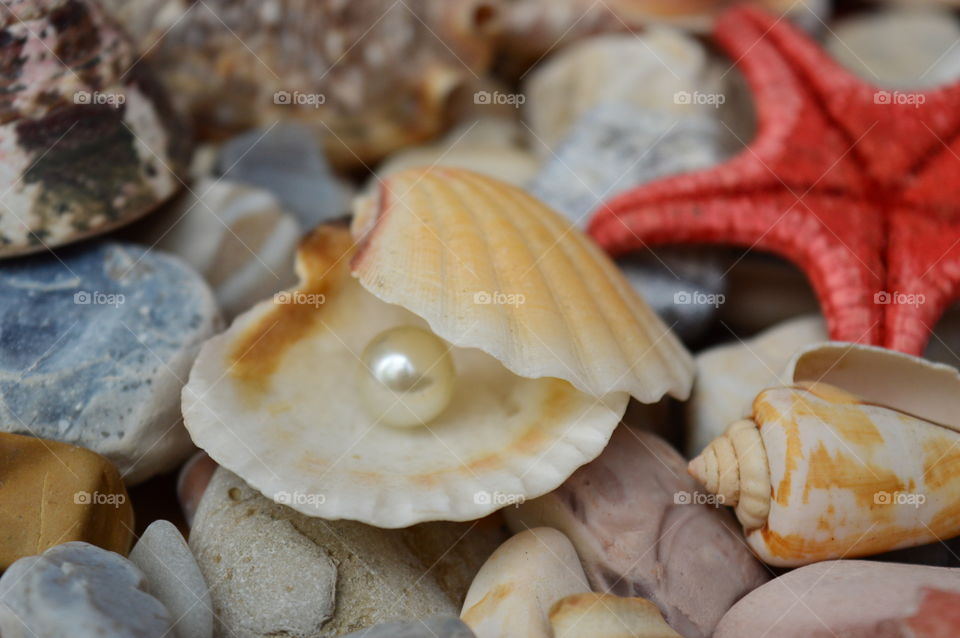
x: 273, y: 400
x: 88, y: 138
x: 857, y: 457
x: 490, y: 267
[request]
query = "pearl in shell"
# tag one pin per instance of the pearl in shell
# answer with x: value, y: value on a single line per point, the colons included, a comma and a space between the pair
x: 408, y: 376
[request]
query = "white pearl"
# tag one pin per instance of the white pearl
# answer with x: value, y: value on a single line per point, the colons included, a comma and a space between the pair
x: 407, y: 377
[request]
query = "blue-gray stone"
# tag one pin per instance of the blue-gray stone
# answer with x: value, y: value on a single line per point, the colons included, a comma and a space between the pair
x: 287, y: 161
x: 615, y: 147
x: 431, y: 628
x: 96, y: 343
x: 82, y: 591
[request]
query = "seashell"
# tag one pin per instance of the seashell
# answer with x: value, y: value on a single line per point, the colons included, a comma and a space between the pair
x: 664, y: 64
x: 329, y: 64
x: 513, y: 592
x: 574, y: 316
x: 594, y: 615
x: 88, y: 137
x: 730, y: 375
x: 540, y: 384
x: 856, y: 457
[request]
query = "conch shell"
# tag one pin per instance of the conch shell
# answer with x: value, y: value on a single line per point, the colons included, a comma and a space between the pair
x: 547, y: 340
x: 858, y: 456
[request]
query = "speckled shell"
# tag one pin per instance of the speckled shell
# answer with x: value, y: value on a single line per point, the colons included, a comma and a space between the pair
x: 275, y: 400
x: 490, y: 267
x: 374, y: 76
x: 87, y: 136
x: 847, y: 474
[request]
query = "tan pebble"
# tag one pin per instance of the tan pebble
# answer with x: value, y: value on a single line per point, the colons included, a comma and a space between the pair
x: 594, y: 615
x: 53, y: 493
x: 512, y: 593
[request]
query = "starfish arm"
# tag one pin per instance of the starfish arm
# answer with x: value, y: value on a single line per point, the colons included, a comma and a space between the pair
x: 935, y: 184
x: 895, y: 131
x: 924, y: 266
x: 845, y: 273
x: 780, y: 155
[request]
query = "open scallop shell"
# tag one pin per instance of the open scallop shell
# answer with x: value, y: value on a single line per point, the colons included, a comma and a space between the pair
x: 490, y: 267
x: 273, y: 399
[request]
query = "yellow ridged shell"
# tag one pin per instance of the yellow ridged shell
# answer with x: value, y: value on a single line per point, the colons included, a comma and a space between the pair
x: 490, y: 267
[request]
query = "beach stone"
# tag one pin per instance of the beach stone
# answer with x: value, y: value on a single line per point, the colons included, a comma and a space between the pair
x: 192, y: 482
x: 81, y: 591
x: 237, y: 236
x: 490, y: 146
x: 90, y: 140
x: 514, y: 590
x: 174, y: 579
x: 430, y: 628
x: 52, y: 492
x: 853, y: 599
x: 730, y: 376
x: 272, y: 570
x: 614, y: 147
x: 641, y: 528
x: 666, y: 69
x: 95, y: 346
x: 287, y: 161
x: 906, y: 48
x: 596, y: 615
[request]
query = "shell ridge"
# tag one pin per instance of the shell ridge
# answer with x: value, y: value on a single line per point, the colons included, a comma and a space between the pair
x: 515, y: 325
x: 506, y: 320
x: 576, y: 348
x: 594, y: 264
x: 594, y: 261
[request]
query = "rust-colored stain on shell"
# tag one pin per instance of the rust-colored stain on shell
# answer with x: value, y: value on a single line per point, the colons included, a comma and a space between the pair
x: 853, y: 475
x: 941, y: 465
x: 257, y: 354
x: 798, y: 546
x: 843, y: 414
x: 941, y: 462
x: 765, y: 415
x: 489, y: 602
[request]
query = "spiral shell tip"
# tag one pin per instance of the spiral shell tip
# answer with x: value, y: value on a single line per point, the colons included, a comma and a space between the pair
x: 697, y: 468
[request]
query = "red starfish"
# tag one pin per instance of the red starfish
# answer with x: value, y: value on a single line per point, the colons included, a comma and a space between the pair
x: 860, y: 187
